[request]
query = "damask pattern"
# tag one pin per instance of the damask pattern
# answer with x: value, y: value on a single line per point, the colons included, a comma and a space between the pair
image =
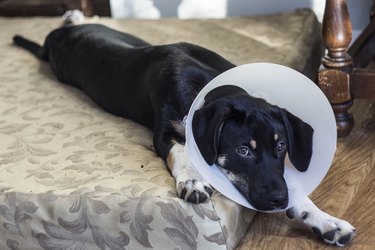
x: 75, y: 177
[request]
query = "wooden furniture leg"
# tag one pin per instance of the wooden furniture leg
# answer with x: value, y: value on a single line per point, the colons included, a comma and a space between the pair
x: 334, y: 79
x: 345, y: 75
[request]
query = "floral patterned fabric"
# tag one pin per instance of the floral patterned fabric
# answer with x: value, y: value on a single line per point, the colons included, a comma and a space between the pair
x: 75, y: 177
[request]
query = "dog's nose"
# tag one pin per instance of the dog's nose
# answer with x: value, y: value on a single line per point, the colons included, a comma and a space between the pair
x: 279, y: 199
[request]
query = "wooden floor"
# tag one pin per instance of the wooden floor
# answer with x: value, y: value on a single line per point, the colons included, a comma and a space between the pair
x: 348, y: 192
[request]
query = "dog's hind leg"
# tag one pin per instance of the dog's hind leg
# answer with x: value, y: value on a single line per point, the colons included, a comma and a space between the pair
x: 332, y: 230
x: 189, y: 183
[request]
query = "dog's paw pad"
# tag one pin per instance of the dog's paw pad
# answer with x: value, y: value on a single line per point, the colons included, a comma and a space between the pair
x: 194, y: 191
x: 345, y: 239
x: 330, y: 235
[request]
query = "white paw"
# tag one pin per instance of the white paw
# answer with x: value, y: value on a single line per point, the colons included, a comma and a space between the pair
x: 332, y: 230
x: 193, y: 189
x: 335, y: 231
x: 73, y: 17
x: 189, y: 184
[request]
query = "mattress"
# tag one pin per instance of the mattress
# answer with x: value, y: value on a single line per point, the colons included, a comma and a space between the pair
x: 75, y: 177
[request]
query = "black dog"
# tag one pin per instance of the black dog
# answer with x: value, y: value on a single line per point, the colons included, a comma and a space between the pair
x: 155, y: 86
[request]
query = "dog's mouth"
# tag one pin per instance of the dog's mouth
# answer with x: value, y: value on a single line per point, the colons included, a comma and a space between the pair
x: 262, y: 200
x: 276, y: 201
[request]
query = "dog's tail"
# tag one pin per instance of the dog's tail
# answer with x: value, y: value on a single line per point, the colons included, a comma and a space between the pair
x: 31, y: 46
x: 71, y: 17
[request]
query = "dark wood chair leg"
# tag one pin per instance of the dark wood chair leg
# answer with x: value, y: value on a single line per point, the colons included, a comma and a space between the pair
x: 334, y: 79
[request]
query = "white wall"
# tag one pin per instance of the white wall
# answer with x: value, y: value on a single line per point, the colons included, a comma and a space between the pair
x: 358, y: 9
x: 359, y: 12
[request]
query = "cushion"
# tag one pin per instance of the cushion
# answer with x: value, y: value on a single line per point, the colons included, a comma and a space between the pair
x: 75, y: 177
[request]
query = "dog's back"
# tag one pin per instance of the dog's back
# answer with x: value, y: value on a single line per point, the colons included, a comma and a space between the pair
x: 125, y: 75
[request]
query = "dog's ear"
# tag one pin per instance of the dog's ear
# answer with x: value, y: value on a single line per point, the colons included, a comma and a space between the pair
x: 206, y: 125
x: 300, y: 140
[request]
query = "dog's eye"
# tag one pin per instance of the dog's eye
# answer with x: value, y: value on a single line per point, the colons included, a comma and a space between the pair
x: 281, y: 146
x: 243, y: 150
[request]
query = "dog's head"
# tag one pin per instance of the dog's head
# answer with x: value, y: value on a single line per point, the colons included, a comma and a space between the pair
x: 249, y: 139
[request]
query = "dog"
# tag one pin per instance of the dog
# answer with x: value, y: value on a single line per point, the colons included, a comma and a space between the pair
x: 155, y: 85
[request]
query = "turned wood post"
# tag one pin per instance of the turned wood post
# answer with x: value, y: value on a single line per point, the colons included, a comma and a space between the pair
x: 334, y: 79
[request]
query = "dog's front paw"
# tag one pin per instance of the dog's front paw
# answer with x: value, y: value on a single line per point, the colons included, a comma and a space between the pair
x: 335, y: 231
x: 189, y: 183
x: 194, y: 190
x: 331, y: 229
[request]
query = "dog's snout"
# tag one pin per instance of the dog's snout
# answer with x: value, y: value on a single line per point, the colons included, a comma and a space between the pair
x: 279, y: 199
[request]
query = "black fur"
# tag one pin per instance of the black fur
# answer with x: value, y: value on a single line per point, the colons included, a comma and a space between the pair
x: 121, y: 72
x: 155, y: 85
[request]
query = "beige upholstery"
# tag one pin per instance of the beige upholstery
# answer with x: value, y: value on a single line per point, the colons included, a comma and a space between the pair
x: 75, y: 177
